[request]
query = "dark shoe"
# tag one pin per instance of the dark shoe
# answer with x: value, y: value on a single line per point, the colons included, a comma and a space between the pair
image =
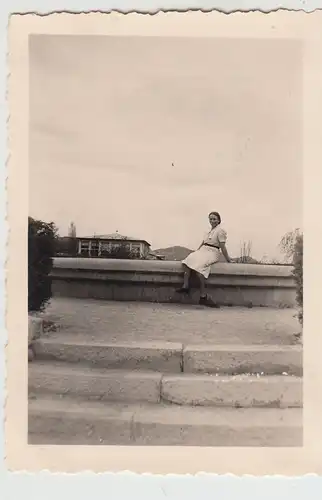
x: 208, y: 302
x: 183, y: 290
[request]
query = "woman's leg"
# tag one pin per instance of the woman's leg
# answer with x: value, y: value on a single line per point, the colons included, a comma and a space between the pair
x: 202, y: 283
x: 204, y: 299
x: 186, y: 279
x: 186, y: 276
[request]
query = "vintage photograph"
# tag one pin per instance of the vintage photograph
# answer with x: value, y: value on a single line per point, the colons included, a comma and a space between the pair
x: 163, y: 311
x: 165, y: 241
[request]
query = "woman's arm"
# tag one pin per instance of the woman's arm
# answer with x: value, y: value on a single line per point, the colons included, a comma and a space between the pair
x: 224, y: 251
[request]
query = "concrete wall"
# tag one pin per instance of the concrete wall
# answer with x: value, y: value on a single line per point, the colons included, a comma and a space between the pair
x: 156, y: 281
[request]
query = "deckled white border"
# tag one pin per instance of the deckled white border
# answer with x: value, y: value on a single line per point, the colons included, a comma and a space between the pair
x: 162, y: 459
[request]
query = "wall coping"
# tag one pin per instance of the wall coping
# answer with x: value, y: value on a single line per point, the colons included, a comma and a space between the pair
x: 168, y: 267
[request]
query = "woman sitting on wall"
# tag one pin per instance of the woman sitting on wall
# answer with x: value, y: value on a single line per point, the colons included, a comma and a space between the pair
x: 202, y: 259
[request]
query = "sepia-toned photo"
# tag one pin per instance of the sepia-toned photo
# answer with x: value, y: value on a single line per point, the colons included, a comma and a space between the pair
x: 165, y: 228
x: 153, y: 332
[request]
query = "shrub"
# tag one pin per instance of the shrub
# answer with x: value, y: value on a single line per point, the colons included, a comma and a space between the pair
x: 287, y: 244
x: 298, y: 273
x: 292, y: 247
x: 41, y: 249
x: 120, y: 252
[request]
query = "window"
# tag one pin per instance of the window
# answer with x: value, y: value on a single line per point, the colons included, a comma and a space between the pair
x: 116, y: 246
x: 84, y: 248
x: 94, y: 248
x: 105, y: 248
x: 136, y: 249
x: 105, y: 245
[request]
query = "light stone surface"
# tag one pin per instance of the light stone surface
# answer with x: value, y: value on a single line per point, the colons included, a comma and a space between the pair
x: 172, y: 267
x: 91, y: 382
x: 98, y: 384
x: 67, y: 421
x: 157, y: 356
x: 168, y: 357
x: 112, y: 321
x: 64, y: 421
x: 223, y: 359
x: 156, y: 281
x: 242, y: 391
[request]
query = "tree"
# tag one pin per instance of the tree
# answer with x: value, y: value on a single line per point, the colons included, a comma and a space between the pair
x: 287, y: 244
x: 41, y: 249
x: 298, y: 274
x: 72, y: 244
x: 62, y: 246
x: 292, y: 246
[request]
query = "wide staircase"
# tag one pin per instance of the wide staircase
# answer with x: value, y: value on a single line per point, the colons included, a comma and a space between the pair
x: 84, y: 389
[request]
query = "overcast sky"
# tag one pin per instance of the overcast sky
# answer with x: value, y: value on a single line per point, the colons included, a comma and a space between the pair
x: 147, y: 135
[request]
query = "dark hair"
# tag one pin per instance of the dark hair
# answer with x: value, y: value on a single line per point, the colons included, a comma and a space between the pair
x: 216, y: 214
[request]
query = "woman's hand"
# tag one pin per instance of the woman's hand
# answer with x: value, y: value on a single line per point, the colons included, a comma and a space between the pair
x: 224, y: 251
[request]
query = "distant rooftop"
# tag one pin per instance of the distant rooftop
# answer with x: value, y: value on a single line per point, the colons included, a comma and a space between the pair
x: 114, y: 236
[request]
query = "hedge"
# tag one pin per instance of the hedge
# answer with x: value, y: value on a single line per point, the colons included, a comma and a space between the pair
x: 298, y: 273
x: 41, y: 249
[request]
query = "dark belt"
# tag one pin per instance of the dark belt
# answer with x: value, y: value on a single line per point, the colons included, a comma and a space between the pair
x: 212, y: 246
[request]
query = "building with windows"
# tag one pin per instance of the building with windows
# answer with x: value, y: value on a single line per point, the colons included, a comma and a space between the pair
x: 113, y: 246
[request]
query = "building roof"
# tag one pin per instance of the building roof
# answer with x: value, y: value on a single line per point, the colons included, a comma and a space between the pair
x: 114, y: 236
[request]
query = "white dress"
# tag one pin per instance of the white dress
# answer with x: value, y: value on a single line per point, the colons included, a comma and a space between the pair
x: 201, y: 260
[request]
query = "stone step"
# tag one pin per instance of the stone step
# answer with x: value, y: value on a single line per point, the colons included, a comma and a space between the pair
x: 239, y: 359
x: 174, y: 357
x: 94, y: 383
x: 239, y: 391
x: 151, y: 387
x: 157, y: 356
x: 65, y: 421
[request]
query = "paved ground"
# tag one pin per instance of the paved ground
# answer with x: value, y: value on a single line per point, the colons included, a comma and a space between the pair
x: 71, y: 421
x: 138, y: 321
